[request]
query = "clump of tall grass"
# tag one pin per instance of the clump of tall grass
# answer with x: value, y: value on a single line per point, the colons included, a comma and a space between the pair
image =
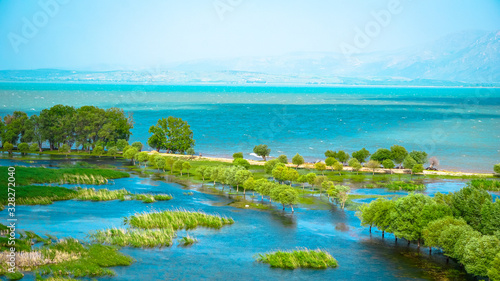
x: 83, y: 179
x: 490, y: 185
x: 178, y: 219
x: 187, y: 240
x: 162, y: 197
x: 34, y: 201
x: 101, y: 194
x: 305, y: 258
x: 408, y: 186
x: 135, y: 237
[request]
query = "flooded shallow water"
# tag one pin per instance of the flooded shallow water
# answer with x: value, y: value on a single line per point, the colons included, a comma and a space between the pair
x: 228, y: 253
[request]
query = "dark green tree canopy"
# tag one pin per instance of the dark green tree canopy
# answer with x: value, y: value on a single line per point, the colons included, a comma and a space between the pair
x: 381, y: 154
x: 262, y: 151
x: 398, y: 153
x: 361, y: 155
x: 171, y: 134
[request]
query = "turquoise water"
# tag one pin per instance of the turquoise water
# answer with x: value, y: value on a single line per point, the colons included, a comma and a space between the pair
x: 460, y: 126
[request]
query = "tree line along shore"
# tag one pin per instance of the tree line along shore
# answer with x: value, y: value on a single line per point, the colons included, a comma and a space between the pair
x: 106, y: 132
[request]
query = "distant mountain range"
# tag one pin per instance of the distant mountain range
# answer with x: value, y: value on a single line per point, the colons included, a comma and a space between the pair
x: 463, y: 59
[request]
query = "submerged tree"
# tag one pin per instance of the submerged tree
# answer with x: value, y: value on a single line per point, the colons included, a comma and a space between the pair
x: 372, y: 164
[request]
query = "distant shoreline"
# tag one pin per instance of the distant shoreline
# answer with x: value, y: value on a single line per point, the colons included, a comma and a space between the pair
x: 256, y: 85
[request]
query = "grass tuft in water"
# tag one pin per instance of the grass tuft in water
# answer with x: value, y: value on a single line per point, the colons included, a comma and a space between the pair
x: 178, y: 219
x: 91, y: 194
x: 303, y: 258
x: 187, y: 240
x: 134, y: 237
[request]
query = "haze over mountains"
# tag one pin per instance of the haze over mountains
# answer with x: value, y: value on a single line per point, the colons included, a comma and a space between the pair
x: 467, y: 58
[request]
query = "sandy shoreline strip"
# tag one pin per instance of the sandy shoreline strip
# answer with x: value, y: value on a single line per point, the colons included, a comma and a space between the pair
x: 311, y: 166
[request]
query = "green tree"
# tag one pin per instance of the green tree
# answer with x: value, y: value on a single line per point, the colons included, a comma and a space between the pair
x: 269, y: 165
x: 409, y: 162
x: 130, y: 153
x: 23, y: 147
x: 384, y: 214
x: 490, y: 217
x: 178, y: 165
x: 32, y: 132
x: 342, y: 156
x: 419, y: 156
x: 468, y: 202
x: 319, y: 183
x: 186, y: 166
x: 320, y: 166
x: 291, y: 175
x: 388, y: 164
x: 494, y: 271
x: 398, y: 153
x: 58, y: 125
x: 275, y: 193
x: 98, y: 150
x: 215, y: 172
x: 121, y: 144
x: 330, y: 153
x: 279, y: 172
x: 496, y: 168
x: 355, y: 165
x: 34, y: 147
x: 311, y: 178
x: 172, y: 134
x: 160, y: 162
x: 143, y: 157
x: 65, y: 149
x: 410, y: 219
x: 262, y: 151
x: 283, y: 159
x: 361, y: 155
x: 14, y: 127
x: 417, y: 169
x: 372, y: 164
x: 381, y: 154
x: 330, y: 161
x: 241, y: 162
x: 329, y: 187
x: 237, y: 155
x: 342, y: 194
x: 338, y: 167
x: 302, y: 179
x: 241, y: 176
x: 204, y: 172
x: 113, y: 151
x: 138, y: 145
x: 190, y: 151
x: 465, y: 235
x: 289, y: 196
x: 169, y: 163
x: 448, y: 237
x: 298, y: 160
x: 249, y: 184
x: 366, y: 214
x: 479, y: 254
x: 432, y: 232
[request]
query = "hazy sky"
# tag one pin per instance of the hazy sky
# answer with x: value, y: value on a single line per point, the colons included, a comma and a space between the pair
x: 111, y: 34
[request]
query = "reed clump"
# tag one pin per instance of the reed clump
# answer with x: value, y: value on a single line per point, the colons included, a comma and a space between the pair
x: 146, y: 238
x: 303, y: 258
x: 187, y: 240
x: 177, y: 219
x: 101, y: 194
